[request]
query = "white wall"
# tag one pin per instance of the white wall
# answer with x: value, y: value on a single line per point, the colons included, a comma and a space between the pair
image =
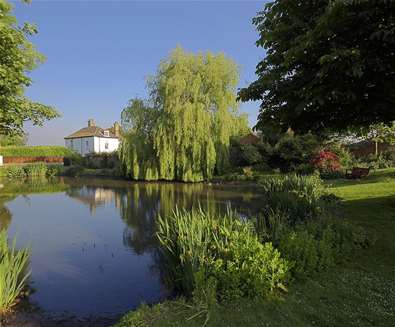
x: 83, y: 145
x: 101, y: 142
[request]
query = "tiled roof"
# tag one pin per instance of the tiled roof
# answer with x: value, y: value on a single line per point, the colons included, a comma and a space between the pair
x: 92, y: 131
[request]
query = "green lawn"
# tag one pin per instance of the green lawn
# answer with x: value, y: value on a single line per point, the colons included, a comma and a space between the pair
x: 358, y: 293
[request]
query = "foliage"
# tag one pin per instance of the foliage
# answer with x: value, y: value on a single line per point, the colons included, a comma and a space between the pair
x: 224, y: 248
x: 383, y: 160
x: 36, y: 170
x: 380, y: 133
x: 183, y: 132
x: 304, y: 169
x: 327, y: 163
x: 16, y: 172
x: 13, y: 140
x: 241, y: 155
x: 99, y: 160
x: 318, y: 245
x: 331, y: 297
x: 13, y: 274
x: 18, y: 58
x: 323, y: 60
x: 250, y: 155
x: 72, y: 171
x: 297, y: 198
x: 35, y: 151
x: 293, y: 151
x: 73, y: 158
x: 345, y: 157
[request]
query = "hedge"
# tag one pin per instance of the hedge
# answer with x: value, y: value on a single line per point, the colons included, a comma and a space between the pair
x: 35, y: 151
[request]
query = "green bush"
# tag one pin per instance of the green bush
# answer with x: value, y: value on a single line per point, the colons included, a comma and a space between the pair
x: 383, y: 160
x: 224, y: 248
x: 346, y: 159
x: 54, y: 170
x: 13, y: 274
x: 14, y: 172
x: 250, y: 155
x: 72, y: 171
x: 318, y: 245
x: 292, y: 151
x: 35, y: 151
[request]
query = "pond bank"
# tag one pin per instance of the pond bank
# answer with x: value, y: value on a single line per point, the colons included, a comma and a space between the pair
x: 28, y: 319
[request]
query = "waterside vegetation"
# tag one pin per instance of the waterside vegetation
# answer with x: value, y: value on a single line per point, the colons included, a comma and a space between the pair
x: 362, y: 280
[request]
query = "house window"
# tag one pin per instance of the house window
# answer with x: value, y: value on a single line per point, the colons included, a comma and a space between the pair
x: 71, y: 143
x: 106, y: 145
x: 87, y: 144
x: 106, y: 133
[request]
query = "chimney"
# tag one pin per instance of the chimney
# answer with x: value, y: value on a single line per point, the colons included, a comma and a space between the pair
x: 117, y: 129
x: 91, y: 123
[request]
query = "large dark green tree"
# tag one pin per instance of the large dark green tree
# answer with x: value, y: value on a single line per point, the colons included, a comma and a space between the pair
x: 18, y: 58
x: 329, y: 65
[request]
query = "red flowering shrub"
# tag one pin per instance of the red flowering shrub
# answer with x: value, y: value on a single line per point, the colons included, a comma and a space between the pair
x: 326, y: 162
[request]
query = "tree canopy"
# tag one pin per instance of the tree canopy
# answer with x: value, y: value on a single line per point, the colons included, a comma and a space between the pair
x: 182, y: 132
x: 329, y: 65
x: 18, y: 58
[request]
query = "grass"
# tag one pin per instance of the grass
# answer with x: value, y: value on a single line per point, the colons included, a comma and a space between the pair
x: 358, y: 293
x: 13, y: 272
x: 35, y: 151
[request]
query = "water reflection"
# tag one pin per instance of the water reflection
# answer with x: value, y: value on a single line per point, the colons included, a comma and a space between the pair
x: 93, y: 240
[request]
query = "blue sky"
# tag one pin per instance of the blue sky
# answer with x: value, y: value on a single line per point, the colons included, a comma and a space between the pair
x: 99, y: 53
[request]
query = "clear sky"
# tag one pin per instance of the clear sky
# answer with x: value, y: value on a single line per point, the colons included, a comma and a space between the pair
x: 99, y: 53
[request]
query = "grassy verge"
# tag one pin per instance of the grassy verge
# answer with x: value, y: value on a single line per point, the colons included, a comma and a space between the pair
x: 35, y: 151
x: 358, y: 293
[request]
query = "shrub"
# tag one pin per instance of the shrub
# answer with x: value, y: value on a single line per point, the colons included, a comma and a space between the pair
x: 326, y: 161
x: 345, y: 157
x: 292, y: 151
x: 320, y: 244
x: 13, y: 274
x: 383, y: 160
x: 53, y: 170
x: 225, y: 248
x: 73, y: 171
x: 73, y: 159
x: 250, y: 155
x: 16, y: 172
x: 35, y: 170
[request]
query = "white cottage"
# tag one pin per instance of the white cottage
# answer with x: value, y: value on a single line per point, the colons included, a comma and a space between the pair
x: 94, y: 139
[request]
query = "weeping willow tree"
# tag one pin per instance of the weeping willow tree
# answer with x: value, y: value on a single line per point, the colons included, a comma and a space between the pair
x: 182, y: 132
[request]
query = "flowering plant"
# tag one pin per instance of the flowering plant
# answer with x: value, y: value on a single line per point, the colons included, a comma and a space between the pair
x: 326, y: 161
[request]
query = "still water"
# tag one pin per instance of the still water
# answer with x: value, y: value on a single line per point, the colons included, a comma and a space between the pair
x: 93, y: 245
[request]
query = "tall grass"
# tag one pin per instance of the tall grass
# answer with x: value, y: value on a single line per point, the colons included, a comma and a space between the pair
x: 36, y: 170
x: 186, y: 237
x: 297, y: 198
x: 13, y: 272
x: 223, y: 248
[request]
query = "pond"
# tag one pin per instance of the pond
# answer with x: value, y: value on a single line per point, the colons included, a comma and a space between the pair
x: 93, y: 245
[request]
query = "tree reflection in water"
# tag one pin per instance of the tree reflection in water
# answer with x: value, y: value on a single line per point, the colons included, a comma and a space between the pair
x: 140, y: 203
